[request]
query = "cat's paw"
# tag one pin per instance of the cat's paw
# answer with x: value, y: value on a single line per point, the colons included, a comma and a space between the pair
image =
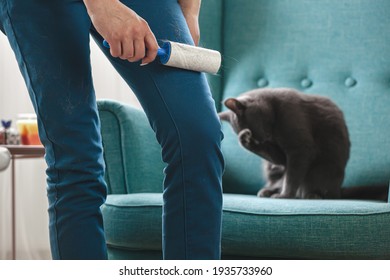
x: 265, y: 193
x: 245, y: 137
x: 269, y: 190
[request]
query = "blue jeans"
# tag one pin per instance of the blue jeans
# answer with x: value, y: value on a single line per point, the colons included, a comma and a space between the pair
x: 51, y: 43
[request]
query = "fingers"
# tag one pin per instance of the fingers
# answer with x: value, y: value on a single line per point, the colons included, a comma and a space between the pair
x: 151, y: 49
x: 115, y: 48
x: 127, y: 34
x: 128, y: 50
x: 135, y: 45
x: 139, y: 53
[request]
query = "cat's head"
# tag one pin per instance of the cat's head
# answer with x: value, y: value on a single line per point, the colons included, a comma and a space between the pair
x: 249, y: 111
x: 236, y: 115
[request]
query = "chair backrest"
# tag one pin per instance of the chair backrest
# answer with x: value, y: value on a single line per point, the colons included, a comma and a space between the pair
x: 335, y: 48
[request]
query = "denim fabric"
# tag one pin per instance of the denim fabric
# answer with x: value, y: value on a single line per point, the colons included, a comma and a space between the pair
x: 51, y: 43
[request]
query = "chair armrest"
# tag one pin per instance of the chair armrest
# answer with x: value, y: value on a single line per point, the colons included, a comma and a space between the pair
x: 131, y: 151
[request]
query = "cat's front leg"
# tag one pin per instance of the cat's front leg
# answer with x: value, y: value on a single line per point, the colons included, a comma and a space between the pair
x: 298, y: 163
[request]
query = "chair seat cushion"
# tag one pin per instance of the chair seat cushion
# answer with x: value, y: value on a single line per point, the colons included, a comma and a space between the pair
x: 264, y: 228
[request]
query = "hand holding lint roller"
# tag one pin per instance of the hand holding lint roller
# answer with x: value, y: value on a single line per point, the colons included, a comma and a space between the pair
x: 187, y: 57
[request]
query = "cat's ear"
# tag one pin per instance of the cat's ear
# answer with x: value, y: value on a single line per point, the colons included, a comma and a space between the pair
x: 235, y: 105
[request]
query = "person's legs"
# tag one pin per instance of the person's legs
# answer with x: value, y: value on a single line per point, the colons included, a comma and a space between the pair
x: 51, y: 43
x: 181, y: 111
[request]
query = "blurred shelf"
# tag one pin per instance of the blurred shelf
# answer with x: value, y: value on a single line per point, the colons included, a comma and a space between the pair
x: 25, y: 151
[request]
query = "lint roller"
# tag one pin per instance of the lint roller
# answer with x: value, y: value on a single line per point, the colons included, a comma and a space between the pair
x: 187, y: 57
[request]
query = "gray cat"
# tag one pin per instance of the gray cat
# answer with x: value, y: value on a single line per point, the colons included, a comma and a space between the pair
x: 302, y: 137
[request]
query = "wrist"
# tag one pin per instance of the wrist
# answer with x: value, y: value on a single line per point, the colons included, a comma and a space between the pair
x: 190, y: 8
x: 95, y: 5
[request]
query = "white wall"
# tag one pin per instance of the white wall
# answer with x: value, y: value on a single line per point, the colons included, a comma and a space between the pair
x: 31, y: 205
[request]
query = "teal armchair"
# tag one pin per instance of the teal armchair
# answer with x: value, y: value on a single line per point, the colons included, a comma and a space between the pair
x: 336, y: 48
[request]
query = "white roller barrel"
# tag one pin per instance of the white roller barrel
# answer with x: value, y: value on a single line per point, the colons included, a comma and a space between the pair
x: 193, y: 58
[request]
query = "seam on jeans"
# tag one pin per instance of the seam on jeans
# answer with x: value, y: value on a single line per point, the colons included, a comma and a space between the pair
x: 182, y: 164
x: 39, y: 114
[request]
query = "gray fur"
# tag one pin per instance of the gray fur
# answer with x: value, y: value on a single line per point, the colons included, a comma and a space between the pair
x: 303, y: 138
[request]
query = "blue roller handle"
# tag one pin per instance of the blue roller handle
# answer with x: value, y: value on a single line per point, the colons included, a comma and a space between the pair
x: 106, y: 44
x: 163, y: 52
